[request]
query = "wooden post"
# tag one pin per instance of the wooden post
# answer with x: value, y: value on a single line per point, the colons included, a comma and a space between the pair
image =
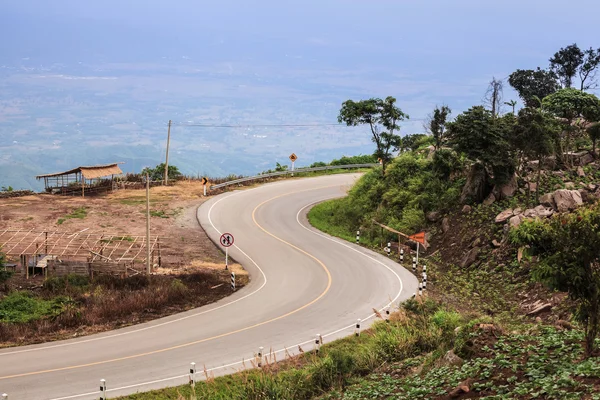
x: 26, y: 267
x: 148, y: 266
x: 167, y: 156
x: 158, y: 246
x: 46, y: 242
x: 82, y: 185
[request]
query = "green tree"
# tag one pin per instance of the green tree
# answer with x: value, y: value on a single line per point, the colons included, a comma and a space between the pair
x: 530, y: 84
x: 566, y: 63
x: 436, y: 124
x: 572, y: 106
x: 534, y: 136
x: 412, y: 142
x: 568, y: 247
x: 484, y: 139
x: 382, y: 116
x: 594, y: 132
x: 587, y: 70
x: 512, y: 104
x: 158, y: 173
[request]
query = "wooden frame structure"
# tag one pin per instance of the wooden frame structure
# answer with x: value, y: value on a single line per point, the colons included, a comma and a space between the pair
x: 78, y: 180
x: 43, y: 247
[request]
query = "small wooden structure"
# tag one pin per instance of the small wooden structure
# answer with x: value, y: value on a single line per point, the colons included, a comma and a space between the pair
x: 57, y: 253
x: 92, y: 179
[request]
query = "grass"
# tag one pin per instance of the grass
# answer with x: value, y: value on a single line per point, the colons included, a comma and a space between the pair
x: 321, y: 216
x: 21, y: 307
x: 79, y: 213
x: 410, y: 332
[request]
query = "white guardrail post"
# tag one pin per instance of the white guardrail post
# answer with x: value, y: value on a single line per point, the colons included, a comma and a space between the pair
x: 4, y: 396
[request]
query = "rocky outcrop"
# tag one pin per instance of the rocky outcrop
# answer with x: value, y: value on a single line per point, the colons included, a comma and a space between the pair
x: 516, y: 220
x: 504, y: 215
x: 547, y: 200
x: 538, y: 212
x: 477, y: 186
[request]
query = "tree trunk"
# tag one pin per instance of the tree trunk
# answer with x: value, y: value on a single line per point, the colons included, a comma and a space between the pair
x: 591, y: 330
x: 539, y: 175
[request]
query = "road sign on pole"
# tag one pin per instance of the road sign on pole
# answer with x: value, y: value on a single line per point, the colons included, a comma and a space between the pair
x: 226, y: 241
x: 293, y: 158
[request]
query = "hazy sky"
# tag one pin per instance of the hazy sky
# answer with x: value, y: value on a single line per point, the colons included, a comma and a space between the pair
x: 258, y: 59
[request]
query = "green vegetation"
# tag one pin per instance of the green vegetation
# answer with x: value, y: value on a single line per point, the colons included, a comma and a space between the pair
x: 158, y: 173
x: 568, y: 247
x: 23, y: 307
x: 79, y: 213
x: 158, y: 213
x: 542, y: 364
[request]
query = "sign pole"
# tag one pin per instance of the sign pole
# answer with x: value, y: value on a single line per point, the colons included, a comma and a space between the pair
x: 226, y: 257
x: 204, y: 190
x: 417, y: 253
x: 292, y: 168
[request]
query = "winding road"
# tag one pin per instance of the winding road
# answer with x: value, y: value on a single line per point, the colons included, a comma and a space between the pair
x: 303, y: 283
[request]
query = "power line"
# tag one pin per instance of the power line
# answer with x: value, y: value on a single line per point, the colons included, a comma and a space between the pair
x: 253, y: 125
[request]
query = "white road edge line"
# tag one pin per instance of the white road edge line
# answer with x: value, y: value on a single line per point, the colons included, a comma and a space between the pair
x: 277, y: 351
x: 163, y: 323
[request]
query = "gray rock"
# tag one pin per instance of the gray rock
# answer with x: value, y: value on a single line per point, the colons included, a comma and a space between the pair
x: 591, y: 187
x: 539, y: 309
x: 496, y: 243
x: 466, y: 209
x: 569, y: 185
x: 543, y: 212
x: 508, y: 189
x: 586, y: 159
x: 517, y: 211
x: 532, y: 186
x: 580, y: 172
x: 470, y: 257
x: 450, y: 359
x: 445, y: 225
x: 476, y: 242
x: 489, y: 200
x: 548, y: 200
x: 503, y: 216
x: 567, y: 200
x: 433, y: 216
x: 516, y: 221
x: 585, y: 195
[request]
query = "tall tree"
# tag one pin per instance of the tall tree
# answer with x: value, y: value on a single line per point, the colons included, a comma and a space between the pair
x: 493, y: 96
x: 484, y: 139
x: 382, y: 116
x: 436, y: 124
x: 533, y: 85
x: 588, y: 68
x: 566, y: 62
x: 571, y: 105
x: 534, y: 136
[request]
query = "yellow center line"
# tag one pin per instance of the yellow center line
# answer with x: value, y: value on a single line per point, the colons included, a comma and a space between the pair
x: 217, y: 336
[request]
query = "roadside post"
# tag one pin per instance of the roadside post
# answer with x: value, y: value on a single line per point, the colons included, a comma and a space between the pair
x: 357, y: 237
x: 357, y: 329
x: 226, y: 241
x: 388, y: 249
x: 4, y: 396
x: 103, y: 389
x: 193, y: 380
x: 259, y: 356
x: 401, y: 255
x: 204, y: 182
x: 414, y: 265
x: 233, y: 281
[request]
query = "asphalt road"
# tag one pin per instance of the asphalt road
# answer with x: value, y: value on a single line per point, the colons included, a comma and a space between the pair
x: 303, y: 283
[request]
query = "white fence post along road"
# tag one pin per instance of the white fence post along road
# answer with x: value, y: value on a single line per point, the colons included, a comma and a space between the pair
x: 302, y: 282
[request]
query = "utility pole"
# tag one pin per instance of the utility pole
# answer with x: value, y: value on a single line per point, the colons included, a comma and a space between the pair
x: 147, y: 224
x: 167, y: 159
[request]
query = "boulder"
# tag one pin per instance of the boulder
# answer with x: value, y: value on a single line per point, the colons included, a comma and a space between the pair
x: 532, y: 186
x: 477, y: 186
x: 508, y: 189
x: 585, y: 195
x: 541, y: 308
x: 548, y: 200
x: 503, y: 216
x: 567, y: 200
x: 489, y: 200
x: 445, y: 225
x: 586, y: 159
x: 591, y: 187
x: 580, y: 172
x: 516, y: 220
x: 539, y: 211
x: 569, y: 185
x: 517, y: 211
x: 462, y: 388
x: 496, y: 243
x: 470, y: 257
x: 466, y: 209
x: 433, y: 216
x: 450, y: 359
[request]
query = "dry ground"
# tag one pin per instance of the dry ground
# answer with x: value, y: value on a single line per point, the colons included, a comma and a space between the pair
x: 187, y: 254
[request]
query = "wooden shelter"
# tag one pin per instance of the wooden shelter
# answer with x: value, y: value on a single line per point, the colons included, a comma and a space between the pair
x: 92, y: 179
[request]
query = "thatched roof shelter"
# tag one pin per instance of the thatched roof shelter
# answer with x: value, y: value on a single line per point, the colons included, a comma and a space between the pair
x: 77, y: 179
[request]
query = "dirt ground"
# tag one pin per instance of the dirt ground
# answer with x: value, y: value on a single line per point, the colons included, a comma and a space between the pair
x: 184, y: 244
